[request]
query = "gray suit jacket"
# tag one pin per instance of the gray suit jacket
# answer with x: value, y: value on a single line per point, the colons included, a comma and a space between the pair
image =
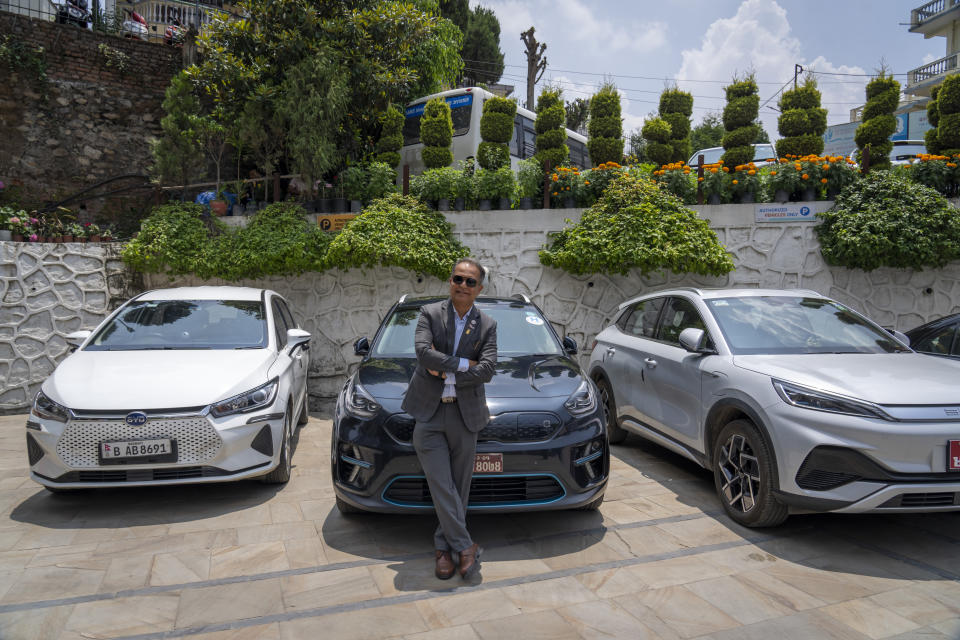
x: 436, y: 327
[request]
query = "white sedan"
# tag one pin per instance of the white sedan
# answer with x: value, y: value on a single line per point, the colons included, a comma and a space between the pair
x: 184, y: 385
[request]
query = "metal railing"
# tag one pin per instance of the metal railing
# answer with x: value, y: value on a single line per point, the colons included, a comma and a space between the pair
x: 930, y: 10
x: 934, y: 69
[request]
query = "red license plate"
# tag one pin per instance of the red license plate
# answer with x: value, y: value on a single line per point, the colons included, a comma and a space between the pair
x: 488, y: 463
x: 953, y: 455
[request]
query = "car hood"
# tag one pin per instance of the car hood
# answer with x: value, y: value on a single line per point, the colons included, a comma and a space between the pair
x: 117, y: 380
x: 516, y: 377
x: 881, y: 378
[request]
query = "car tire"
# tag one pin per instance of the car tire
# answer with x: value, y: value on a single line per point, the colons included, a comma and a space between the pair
x: 281, y: 474
x: 345, y: 508
x: 593, y: 505
x: 305, y: 410
x: 743, y: 475
x: 615, y: 432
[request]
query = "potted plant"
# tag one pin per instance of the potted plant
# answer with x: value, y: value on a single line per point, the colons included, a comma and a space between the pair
x: 745, y: 182
x: 838, y: 172
x: 354, y: 186
x: 465, y: 187
x: 784, y: 180
x: 92, y: 232
x: 809, y: 178
x: 6, y: 215
x: 446, y: 187
x: 338, y: 203
x: 18, y: 227
x: 486, y: 189
x: 74, y: 232
x: 381, y: 181
x: 424, y: 187
x: 716, y: 183
x: 106, y: 235
x: 529, y: 182
x: 676, y: 177
x: 219, y: 203
x: 563, y: 184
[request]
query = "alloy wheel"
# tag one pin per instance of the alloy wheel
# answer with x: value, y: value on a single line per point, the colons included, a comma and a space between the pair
x: 741, y: 473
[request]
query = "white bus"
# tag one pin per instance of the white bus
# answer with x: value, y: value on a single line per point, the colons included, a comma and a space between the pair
x: 466, y: 107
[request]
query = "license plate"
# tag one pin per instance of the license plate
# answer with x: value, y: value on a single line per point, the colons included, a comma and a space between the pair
x: 158, y: 450
x: 488, y: 463
x: 953, y: 455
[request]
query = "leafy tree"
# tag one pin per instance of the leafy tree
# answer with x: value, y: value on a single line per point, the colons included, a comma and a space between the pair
x: 802, y: 121
x: 481, y: 46
x: 606, y: 126
x: 578, y: 113
x: 676, y: 107
x: 740, y: 121
x: 391, y: 136
x: 177, y: 153
x: 457, y: 12
x: 436, y: 132
x: 707, y: 134
x: 551, y: 138
x: 496, y: 129
x: 883, y: 96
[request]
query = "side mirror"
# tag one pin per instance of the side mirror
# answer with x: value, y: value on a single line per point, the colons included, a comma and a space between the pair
x: 570, y: 345
x: 77, y: 338
x: 298, y: 338
x: 694, y: 340
x: 361, y: 347
x: 902, y: 337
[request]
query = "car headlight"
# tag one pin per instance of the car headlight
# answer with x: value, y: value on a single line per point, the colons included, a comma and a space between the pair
x: 806, y: 398
x: 583, y: 400
x: 251, y: 400
x: 359, y: 403
x: 44, y: 407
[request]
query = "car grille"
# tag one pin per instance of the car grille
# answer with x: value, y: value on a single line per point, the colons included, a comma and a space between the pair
x: 142, y: 475
x: 919, y: 500
x: 506, y: 427
x: 197, y: 440
x: 485, y: 491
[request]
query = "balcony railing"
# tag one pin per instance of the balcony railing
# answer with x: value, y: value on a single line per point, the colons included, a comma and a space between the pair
x: 934, y: 69
x: 930, y: 10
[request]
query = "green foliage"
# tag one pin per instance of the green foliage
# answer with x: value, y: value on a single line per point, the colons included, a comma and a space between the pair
x: 886, y: 220
x: 804, y: 97
x: 435, y: 184
x: 681, y: 149
x: 882, y: 104
x: 578, y: 113
x: 381, y: 180
x: 436, y: 132
x: 940, y: 174
x: 551, y: 138
x: 793, y: 122
x: 679, y: 126
x: 436, y: 157
x: 657, y: 130
x: 493, y: 155
x: 493, y: 185
x: 391, y: 136
x: 675, y: 108
x: 554, y: 156
x: 636, y: 225
x: 171, y: 240
x: 738, y: 155
x: 481, y: 46
x: 17, y: 57
x: 741, y: 112
x: 397, y: 231
x: 676, y: 101
x: 707, y: 134
x: 553, y: 117
x: 680, y: 181
x: 605, y: 150
x: 948, y: 110
x: 801, y: 145
x: 496, y: 104
x: 739, y: 118
x: 948, y: 131
x: 606, y: 102
x: 354, y: 181
x: 879, y: 85
x: 177, y: 153
x: 877, y: 129
x: 496, y: 129
x: 933, y: 110
x: 741, y: 88
x: 660, y: 152
x: 741, y: 137
x: 606, y: 127
x: 529, y: 178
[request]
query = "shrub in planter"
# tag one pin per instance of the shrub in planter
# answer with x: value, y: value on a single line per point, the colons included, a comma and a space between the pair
x: 716, y: 183
x: 435, y: 184
x: 739, y: 121
x: 595, y: 181
x: 784, y: 179
x: 837, y: 173
x: 397, y: 231
x: 887, y: 220
x: 937, y: 172
x: 564, y: 183
x: 391, y: 137
x: 636, y: 225
x: 948, y: 116
x: 529, y: 180
x: 381, y: 180
x: 465, y: 187
x: 657, y: 133
x: 495, y: 185
x: 605, y: 128
x: 677, y: 178
x: 496, y: 129
x: 354, y: 180
x: 171, y: 240
x: 675, y: 107
x: 436, y: 133
x: 882, y: 95
x: 745, y: 182
x: 552, y: 147
x: 933, y: 117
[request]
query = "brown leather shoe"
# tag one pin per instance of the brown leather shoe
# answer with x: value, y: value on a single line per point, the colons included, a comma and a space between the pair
x: 470, y: 561
x: 445, y: 567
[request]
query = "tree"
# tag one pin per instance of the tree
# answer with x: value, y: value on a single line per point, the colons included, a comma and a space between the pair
x: 948, y: 116
x: 177, y: 152
x: 606, y: 126
x: 657, y: 132
x: 457, y: 12
x: 481, y: 46
x: 739, y: 121
x: 496, y: 129
x: 436, y: 132
x: 578, y: 113
x: 552, y: 146
x: 802, y: 121
x: 707, y: 134
x: 391, y: 137
x: 883, y: 96
x: 676, y: 107
x: 536, y: 62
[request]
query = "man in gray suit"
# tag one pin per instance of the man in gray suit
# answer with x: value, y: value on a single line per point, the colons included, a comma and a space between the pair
x: 456, y: 348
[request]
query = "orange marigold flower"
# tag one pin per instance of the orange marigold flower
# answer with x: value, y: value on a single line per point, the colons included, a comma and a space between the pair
x: 700, y: 179
x: 805, y: 176
x: 726, y: 169
x: 555, y: 193
x: 714, y: 170
x: 752, y: 172
x: 773, y: 173
x: 586, y: 182
x: 823, y: 180
x: 735, y: 182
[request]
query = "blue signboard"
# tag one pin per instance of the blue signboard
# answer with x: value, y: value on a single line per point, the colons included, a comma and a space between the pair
x: 416, y: 110
x: 903, y: 121
x: 783, y: 212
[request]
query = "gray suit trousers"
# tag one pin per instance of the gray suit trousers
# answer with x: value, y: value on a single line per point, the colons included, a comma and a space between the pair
x: 446, y: 449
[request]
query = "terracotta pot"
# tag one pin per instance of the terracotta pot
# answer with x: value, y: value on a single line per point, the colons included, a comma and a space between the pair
x: 68, y: 238
x: 219, y: 207
x: 57, y: 239
x: 41, y: 238
x: 96, y: 238
x: 18, y: 237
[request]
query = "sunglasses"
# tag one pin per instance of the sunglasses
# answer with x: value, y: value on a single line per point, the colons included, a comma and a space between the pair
x: 470, y: 282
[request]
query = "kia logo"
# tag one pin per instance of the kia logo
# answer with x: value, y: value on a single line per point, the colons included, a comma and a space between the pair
x: 136, y: 419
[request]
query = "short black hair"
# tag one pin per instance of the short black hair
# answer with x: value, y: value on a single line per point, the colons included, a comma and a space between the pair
x: 473, y: 263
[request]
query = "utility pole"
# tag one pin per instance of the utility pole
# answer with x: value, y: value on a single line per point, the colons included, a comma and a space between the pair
x: 797, y: 70
x: 536, y: 63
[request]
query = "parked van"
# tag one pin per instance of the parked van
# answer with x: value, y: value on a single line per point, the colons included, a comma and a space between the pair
x: 466, y: 107
x: 763, y: 154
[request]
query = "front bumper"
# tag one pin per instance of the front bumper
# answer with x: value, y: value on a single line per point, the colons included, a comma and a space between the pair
x: 374, y: 471
x: 65, y: 455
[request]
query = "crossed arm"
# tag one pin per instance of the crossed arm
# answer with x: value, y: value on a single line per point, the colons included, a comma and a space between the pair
x: 438, y: 363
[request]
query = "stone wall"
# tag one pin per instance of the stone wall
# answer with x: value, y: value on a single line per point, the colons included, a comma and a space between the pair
x: 63, y: 288
x: 91, y: 120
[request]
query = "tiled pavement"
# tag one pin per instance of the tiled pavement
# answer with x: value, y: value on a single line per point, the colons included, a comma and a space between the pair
x: 252, y: 562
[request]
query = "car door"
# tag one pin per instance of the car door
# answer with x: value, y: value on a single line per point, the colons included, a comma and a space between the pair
x: 284, y: 361
x: 941, y: 342
x: 674, y: 375
x: 301, y: 359
x: 623, y: 359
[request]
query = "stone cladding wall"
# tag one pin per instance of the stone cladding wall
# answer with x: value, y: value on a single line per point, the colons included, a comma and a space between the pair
x: 50, y: 292
x: 91, y: 121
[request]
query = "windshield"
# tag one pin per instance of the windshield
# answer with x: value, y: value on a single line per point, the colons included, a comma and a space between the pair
x: 520, y: 331
x: 789, y: 325
x: 184, y: 324
x: 907, y: 152
x: 461, y: 108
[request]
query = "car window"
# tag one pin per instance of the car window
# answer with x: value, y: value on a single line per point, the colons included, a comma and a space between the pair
x: 641, y: 322
x: 287, y: 316
x: 680, y: 314
x: 280, y: 324
x: 763, y: 152
x: 942, y: 342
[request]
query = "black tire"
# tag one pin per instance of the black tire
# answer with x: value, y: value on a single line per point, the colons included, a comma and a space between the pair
x: 743, y: 475
x: 345, y: 508
x: 305, y: 409
x: 615, y: 432
x: 281, y: 474
x: 593, y: 505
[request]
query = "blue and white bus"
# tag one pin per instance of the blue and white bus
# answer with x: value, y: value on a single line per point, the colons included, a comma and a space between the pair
x: 466, y: 107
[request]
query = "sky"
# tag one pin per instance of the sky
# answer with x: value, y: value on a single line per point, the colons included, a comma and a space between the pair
x: 700, y: 45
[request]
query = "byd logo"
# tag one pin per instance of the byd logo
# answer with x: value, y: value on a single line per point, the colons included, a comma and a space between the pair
x: 136, y: 419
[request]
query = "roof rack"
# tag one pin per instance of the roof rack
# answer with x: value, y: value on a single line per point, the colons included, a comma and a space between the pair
x: 522, y: 296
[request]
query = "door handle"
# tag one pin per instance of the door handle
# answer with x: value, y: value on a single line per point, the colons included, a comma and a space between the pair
x: 611, y: 351
x: 650, y: 362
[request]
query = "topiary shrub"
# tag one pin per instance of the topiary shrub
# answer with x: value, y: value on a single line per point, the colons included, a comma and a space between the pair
x: 802, y: 121
x: 676, y: 107
x: 171, y: 240
x: 436, y: 133
x: 637, y: 225
x: 605, y: 127
x: 948, y: 116
x: 496, y: 129
x: 657, y: 133
x: 740, y: 114
x: 933, y: 117
x: 888, y: 220
x: 552, y: 149
x: 391, y: 137
x: 397, y: 231
x: 883, y: 93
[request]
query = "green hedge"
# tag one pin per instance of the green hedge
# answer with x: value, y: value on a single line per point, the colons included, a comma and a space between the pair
x: 679, y: 125
x: 551, y: 137
x: 793, y: 122
x: 554, y: 156
x: 875, y: 131
x: 735, y: 156
x: 800, y: 145
x: 741, y: 112
x: 656, y: 130
x: 605, y: 104
x: 806, y: 96
x: 932, y: 141
x: 881, y: 104
x: 436, y: 132
x: 496, y: 104
x: 605, y: 150
x: 879, y: 85
x: 552, y: 118
x: 391, y: 136
x: 948, y: 106
x: 493, y: 155
x: 605, y: 142
x: 881, y: 124
x: 739, y: 122
x: 496, y: 127
x: 606, y: 127
x: 660, y: 152
x: 948, y: 130
x: 436, y: 157
x: 933, y: 109
x: 676, y: 101
x: 741, y: 89
x: 682, y: 149
x: 171, y: 240
x: 742, y: 137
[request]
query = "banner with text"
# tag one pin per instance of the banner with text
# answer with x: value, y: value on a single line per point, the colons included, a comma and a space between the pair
x: 784, y: 212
